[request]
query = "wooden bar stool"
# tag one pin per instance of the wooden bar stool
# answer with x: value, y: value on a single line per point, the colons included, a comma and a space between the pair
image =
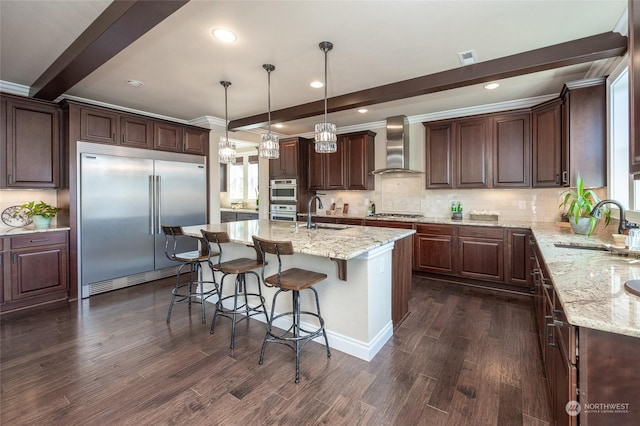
x: 245, y: 303
x: 184, y: 292
x: 294, y: 280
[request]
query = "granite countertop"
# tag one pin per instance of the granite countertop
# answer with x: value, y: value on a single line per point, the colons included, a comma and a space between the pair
x: 7, y: 231
x: 343, y: 244
x: 590, y: 283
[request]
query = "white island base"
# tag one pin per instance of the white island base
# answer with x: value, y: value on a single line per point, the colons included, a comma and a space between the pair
x: 357, y: 312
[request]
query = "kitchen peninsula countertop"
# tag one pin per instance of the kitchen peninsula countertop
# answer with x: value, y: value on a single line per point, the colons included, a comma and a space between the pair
x: 7, y: 231
x: 343, y: 244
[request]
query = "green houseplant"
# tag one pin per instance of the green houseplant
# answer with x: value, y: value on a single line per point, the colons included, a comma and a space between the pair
x: 41, y: 212
x: 579, y: 203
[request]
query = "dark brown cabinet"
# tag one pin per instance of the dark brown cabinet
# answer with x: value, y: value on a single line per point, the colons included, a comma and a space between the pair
x: 98, y: 125
x: 584, y: 124
x: 458, y: 153
x: 512, y: 150
x: 137, y: 132
x: 195, y: 141
x: 106, y: 126
x: 434, y: 248
x: 167, y: 137
x: 360, y: 159
x: 38, y: 265
x: 30, y: 139
x: 518, y: 258
x: 481, y: 253
x: 328, y: 171
x: 227, y: 216
x: 547, y: 144
x: 292, y: 161
x: 349, y: 167
x: 473, y: 153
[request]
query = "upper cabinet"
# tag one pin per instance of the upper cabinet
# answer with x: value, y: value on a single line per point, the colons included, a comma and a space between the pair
x: 292, y: 161
x: 547, y: 144
x: 349, y: 167
x: 30, y: 143
x: 360, y: 153
x: 458, y: 153
x: 584, y: 124
x: 512, y: 150
x: 106, y: 126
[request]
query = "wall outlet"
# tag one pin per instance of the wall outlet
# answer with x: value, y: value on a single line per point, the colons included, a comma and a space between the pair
x: 522, y: 205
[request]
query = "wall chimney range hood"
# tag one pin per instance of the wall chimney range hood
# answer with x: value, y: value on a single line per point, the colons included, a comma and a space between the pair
x: 397, y: 147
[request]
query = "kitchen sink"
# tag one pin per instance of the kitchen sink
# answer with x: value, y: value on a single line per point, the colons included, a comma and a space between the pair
x: 582, y: 247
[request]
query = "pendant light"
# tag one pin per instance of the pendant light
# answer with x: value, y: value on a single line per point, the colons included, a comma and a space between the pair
x: 227, y: 149
x: 269, y: 145
x: 325, y: 142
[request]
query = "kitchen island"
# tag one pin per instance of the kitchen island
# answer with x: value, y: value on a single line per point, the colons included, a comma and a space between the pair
x: 363, y: 275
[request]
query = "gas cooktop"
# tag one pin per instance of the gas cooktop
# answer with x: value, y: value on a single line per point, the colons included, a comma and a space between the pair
x: 398, y: 215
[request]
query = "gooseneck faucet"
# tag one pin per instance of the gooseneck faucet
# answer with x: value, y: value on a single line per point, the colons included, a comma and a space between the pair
x: 623, y: 224
x: 313, y: 197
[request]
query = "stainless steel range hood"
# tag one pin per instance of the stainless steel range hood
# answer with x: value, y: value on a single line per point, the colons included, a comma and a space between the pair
x: 397, y: 147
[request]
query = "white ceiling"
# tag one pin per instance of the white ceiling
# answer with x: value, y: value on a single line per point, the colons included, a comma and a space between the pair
x: 375, y: 43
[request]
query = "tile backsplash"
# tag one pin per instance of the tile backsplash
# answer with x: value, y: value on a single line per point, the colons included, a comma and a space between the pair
x: 406, y: 194
x: 12, y: 197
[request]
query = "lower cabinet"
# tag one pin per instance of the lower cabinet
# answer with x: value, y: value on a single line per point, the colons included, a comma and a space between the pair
x: 435, y: 248
x: 481, y: 252
x: 37, y: 265
x: 226, y: 216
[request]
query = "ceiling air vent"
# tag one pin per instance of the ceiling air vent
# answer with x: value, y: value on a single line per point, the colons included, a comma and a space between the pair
x: 467, y: 58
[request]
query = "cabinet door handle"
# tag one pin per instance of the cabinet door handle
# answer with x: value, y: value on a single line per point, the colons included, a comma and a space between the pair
x: 557, y: 178
x: 39, y: 240
x: 549, y: 335
x: 15, y: 258
x: 565, y: 177
x: 558, y: 323
x: 10, y: 179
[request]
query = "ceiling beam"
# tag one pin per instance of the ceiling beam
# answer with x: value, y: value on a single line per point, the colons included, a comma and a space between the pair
x: 588, y: 49
x: 121, y: 23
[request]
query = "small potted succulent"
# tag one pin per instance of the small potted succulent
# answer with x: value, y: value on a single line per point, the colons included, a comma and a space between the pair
x: 41, y: 213
x: 580, y: 202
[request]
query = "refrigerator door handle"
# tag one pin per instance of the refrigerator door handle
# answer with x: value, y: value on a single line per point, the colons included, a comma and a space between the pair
x: 158, y: 203
x: 152, y: 199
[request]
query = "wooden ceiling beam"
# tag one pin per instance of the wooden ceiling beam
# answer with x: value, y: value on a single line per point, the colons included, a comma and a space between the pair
x: 121, y: 23
x: 588, y: 49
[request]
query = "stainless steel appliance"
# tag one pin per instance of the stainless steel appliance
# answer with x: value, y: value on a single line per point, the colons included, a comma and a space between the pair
x: 125, y: 196
x: 284, y: 212
x: 283, y: 190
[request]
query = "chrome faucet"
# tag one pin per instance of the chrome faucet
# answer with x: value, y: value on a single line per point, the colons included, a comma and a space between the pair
x: 313, y: 197
x: 623, y: 224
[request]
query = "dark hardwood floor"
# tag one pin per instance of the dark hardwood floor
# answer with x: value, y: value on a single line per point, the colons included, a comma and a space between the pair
x: 464, y: 356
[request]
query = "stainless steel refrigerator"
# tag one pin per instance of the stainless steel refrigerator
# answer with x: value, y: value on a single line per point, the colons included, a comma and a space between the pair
x: 124, y: 200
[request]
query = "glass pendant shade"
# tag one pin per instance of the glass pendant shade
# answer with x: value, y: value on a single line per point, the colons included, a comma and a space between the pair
x: 227, y: 151
x: 325, y: 141
x: 226, y: 148
x: 269, y: 145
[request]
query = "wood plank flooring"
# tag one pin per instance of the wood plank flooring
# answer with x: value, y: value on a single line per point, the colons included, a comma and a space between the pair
x: 464, y: 356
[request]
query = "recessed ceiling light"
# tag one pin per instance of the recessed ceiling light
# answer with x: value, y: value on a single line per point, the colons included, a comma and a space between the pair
x: 491, y: 86
x: 225, y: 35
x: 135, y: 83
x: 363, y: 110
x: 278, y: 126
x: 317, y: 84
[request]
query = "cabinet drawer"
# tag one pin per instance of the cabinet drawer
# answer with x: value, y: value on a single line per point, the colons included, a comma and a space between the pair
x: 481, y: 232
x: 38, y: 239
x: 434, y: 229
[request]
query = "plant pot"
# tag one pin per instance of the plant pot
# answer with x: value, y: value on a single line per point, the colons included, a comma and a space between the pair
x: 41, y: 222
x: 583, y: 225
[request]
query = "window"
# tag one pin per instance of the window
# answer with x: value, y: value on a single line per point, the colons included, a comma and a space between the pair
x: 243, y: 178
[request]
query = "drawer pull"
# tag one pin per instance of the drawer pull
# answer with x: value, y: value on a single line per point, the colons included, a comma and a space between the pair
x: 558, y: 323
x: 549, y: 335
x: 39, y: 240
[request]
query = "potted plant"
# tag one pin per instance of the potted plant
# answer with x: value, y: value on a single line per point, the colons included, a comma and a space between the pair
x: 41, y: 213
x: 580, y: 203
